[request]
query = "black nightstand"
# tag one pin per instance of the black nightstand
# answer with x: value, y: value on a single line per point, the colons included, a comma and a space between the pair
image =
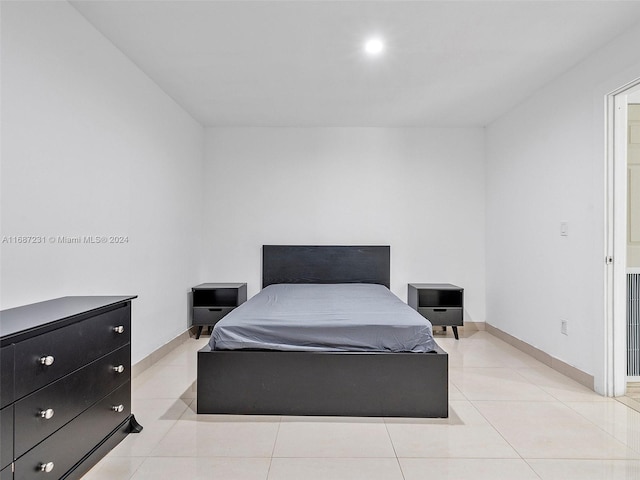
x: 212, y: 301
x: 440, y: 303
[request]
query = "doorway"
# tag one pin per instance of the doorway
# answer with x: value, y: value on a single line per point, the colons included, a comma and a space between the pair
x: 619, y: 230
x: 633, y: 246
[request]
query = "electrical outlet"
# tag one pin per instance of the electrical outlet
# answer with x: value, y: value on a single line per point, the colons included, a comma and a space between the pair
x: 564, y: 327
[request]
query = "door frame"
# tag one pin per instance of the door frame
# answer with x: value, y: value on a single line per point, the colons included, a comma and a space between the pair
x: 615, y: 261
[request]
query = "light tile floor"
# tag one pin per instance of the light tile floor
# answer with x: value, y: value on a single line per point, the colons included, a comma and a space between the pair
x: 633, y: 393
x: 511, y: 417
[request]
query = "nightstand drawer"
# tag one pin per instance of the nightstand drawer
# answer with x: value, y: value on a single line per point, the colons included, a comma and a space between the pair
x: 442, y: 316
x: 209, y: 315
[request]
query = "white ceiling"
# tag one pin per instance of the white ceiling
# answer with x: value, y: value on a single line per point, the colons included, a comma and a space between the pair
x: 300, y: 63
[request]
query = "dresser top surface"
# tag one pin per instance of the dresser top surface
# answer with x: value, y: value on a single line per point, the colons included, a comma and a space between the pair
x: 17, y: 320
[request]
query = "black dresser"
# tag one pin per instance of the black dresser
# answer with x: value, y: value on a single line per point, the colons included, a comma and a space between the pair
x: 66, y: 385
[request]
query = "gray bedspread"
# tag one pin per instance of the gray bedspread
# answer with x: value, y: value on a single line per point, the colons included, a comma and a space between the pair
x: 315, y: 317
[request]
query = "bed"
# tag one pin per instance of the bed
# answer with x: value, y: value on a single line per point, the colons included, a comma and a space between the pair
x: 377, y: 372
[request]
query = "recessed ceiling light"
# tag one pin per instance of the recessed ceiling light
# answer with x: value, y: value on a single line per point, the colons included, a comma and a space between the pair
x: 374, y: 46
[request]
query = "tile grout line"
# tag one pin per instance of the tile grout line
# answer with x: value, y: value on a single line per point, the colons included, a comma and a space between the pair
x: 135, y: 471
x: 637, y: 451
x: 629, y: 402
x: 273, y: 450
x: 386, y: 427
x: 566, y: 404
x: 501, y: 435
x: 532, y: 469
x: 576, y: 412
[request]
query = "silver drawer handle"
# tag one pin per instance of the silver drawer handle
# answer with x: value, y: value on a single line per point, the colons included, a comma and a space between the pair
x: 47, y: 414
x: 47, y: 361
x: 118, y: 408
x: 118, y: 329
x: 119, y: 369
x: 46, y: 467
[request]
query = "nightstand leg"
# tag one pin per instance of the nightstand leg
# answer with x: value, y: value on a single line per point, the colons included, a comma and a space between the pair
x: 199, y: 332
x: 455, y: 332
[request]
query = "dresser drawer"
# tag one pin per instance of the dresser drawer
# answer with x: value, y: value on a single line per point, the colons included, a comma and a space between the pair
x: 209, y: 315
x: 69, y: 348
x: 69, y: 444
x: 6, y: 436
x: 67, y: 397
x: 449, y: 316
x: 6, y: 372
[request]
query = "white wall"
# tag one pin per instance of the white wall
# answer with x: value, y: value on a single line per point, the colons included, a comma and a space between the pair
x: 419, y: 190
x: 545, y: 165
x: 91, y: 146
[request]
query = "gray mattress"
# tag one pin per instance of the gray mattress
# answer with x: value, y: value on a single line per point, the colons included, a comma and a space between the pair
x: 315, y: 317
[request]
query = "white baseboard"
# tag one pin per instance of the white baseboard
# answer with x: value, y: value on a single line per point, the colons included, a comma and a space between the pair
x: 478, y: 326
x: 558, y: 365
x: 148, y: 361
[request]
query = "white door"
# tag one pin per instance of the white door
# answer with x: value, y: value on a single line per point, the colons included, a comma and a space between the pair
x: 633, y: 187
x: 633, y: 242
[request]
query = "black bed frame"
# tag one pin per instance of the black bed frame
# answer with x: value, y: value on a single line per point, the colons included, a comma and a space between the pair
x: 370, y: 384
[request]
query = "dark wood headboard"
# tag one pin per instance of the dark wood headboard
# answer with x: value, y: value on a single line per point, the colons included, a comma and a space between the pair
x: 325, y: 264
